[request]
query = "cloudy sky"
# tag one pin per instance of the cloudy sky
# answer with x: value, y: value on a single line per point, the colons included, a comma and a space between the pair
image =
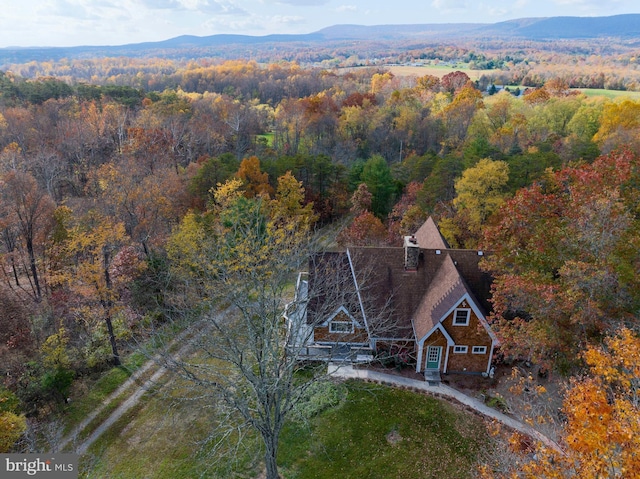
x: 117, y: 22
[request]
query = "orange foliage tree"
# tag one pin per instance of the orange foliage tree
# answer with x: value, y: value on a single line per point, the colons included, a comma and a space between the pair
x: 256, y: 182
x: 601, y: 436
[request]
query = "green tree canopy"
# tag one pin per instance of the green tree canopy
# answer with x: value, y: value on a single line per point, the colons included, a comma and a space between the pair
x: 376, y: 174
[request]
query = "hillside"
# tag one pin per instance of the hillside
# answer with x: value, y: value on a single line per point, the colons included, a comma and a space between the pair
x: 383, y: 37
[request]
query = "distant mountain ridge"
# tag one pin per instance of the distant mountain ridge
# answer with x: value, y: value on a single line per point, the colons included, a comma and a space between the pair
x: 625, y: 26
x: 619, y: 26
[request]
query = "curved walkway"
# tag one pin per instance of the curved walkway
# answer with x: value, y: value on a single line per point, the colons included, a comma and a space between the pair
x: 441, y: 390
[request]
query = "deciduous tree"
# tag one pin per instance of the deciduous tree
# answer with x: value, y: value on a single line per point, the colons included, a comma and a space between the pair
x: 26, y: 208
x: 562, y: 259
x: 600, y: 437
x: 12, y: 423
x: 93, y: 244
x: 366, y: 229
x: 256, y: 182
x: 244, y: 253
x: 480, y: 192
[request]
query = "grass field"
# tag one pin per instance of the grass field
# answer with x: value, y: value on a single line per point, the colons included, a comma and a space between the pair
x: 612, y: 94
x: 374, y: 432
x: 435, y: 70
x: 422, y: 70
x: 379, y: 432
x: 90, y: 394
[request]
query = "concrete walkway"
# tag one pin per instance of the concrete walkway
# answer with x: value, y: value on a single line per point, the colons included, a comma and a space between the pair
x: 442, y: 391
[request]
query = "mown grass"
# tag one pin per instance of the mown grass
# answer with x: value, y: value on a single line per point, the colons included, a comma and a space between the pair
x: 90, y: 393
x: 267, y: 137
x: 381, y: 432
x: 164, y: 436
x: 374, y: 432
x: 96, y: 391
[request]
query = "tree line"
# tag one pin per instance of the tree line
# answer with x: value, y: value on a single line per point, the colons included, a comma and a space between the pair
x: 104, y: 187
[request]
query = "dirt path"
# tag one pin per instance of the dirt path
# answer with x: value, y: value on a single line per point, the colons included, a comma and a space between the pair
x: 121, y: 410
x: 132, y: 381
x: 138, y: 389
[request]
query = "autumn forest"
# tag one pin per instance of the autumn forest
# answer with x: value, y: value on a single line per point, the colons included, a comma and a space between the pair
x: 114, y: 173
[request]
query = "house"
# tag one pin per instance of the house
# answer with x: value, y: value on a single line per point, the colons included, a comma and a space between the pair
x: 424, y: 300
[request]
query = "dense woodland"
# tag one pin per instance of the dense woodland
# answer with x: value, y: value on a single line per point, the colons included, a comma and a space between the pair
x: 608, y: 62
x: 101, y: 177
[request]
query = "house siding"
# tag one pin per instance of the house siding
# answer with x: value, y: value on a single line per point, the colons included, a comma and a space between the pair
x: 322, y: 335
x: 436, y: 339
x: 474, y: 334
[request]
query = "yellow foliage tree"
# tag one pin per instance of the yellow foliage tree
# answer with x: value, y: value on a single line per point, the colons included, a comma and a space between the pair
x: 619, y: 124
x: 480, y: 192
x: 94, y: 243
x: 12, y: 423
x: 12, y: 426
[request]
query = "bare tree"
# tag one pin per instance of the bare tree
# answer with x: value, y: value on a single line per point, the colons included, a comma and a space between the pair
x: 29, y: 209
x: 245, y: 257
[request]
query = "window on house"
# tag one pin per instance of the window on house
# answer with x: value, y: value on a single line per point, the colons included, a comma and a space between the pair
x: 461, y: 317
x: 479, y: 350
x: 460, y: 349
x: 341, y: 327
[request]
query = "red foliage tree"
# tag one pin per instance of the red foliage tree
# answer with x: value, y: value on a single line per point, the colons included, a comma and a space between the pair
x: 365, y: 230
x: 566, y: 256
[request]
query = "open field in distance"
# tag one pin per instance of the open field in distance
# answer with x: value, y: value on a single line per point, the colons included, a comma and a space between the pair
x: 435, y: 70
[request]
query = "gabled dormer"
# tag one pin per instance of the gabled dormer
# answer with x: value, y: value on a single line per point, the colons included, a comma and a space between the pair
x: 450, y: 325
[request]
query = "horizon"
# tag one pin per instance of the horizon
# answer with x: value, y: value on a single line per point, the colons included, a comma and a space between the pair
x: 73, y: 23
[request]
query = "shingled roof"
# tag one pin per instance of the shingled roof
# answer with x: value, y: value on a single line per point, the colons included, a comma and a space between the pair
x: 443, y: 294
x: 391, y: 294
x: 429, y: 237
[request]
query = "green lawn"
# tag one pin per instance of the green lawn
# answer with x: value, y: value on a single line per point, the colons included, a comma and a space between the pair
x: 381, y: 432
x: 436, y: 70
x: 612, y: 94
x: 374, y: 432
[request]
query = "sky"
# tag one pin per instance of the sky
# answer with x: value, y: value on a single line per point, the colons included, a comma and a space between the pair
x: 51, y: 23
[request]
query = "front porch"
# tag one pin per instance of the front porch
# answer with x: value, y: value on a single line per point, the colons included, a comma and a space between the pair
x: 335, y: 353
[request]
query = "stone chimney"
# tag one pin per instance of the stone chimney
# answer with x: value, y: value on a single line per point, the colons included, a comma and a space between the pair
x: 411, y: 253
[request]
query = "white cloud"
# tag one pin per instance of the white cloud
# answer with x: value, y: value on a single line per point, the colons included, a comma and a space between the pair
x: 513, y: 9
x: 450, y: 5
x: 286, y: 20
x: 604, y: 8
x: 577, y: 2
x: 346, y: 8
x: 302, y: 3
x: 201, y: 6
x: 253, y: 23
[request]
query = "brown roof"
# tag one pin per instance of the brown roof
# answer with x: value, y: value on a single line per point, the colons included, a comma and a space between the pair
x: 443, y: 294
x: 428, y: 236
x: 393, y: 296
